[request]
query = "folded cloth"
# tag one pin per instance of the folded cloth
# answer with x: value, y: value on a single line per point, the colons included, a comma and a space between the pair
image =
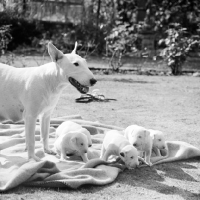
x: 15, y: 169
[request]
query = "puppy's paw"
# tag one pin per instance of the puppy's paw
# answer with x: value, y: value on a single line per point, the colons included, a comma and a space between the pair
x: 35, y: 158
x: 85, y: 159
x: 150, y: 164
x: 62, y: 160
x: 50, y: 151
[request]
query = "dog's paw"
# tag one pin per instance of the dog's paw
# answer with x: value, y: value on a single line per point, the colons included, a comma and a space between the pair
x: 150, y: 164
x: 35, y: 158
x: 50, y: 151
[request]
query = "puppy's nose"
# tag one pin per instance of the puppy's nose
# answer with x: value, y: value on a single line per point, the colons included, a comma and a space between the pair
x: 135, y: 144
x: 89, y: 145
x: 92, y: 81
x: 85, y: 151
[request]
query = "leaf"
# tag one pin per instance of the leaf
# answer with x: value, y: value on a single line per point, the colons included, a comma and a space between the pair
x: 161, y: 41
x: 167, y: 41
x: 171, y: 62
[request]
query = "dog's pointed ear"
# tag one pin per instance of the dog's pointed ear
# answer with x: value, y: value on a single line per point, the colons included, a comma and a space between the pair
x: 54, y: 53
x: 75, y: 48
x: 122, y: 154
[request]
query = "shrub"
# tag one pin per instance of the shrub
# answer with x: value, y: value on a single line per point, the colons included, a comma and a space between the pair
x: 121, y: 40
x: 22, y: 30
x: 5, y: 38
x: 123, y: 36
x: 178, y: 45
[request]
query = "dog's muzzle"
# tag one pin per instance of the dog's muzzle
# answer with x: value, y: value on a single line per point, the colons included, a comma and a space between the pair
x: 81, y: 88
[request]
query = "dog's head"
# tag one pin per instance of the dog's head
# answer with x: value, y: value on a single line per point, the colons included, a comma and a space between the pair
x: 139, y: 137
x: 87, y: 133
x: 129, y: 155
x: 80, y: 142
x: 158, y: 139
x: 73, y: 68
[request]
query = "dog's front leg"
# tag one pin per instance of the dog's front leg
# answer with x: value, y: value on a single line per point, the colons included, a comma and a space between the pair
x: 30, y: 123
x: 44, y: 132
x: 148, y: 157
x: 84, y: 157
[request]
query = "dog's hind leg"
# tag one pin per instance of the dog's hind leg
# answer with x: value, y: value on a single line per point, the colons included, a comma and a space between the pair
x: 30, y: 123
x: 44, y: 132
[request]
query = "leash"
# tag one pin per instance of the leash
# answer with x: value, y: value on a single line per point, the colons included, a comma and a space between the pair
x: 87, y: 98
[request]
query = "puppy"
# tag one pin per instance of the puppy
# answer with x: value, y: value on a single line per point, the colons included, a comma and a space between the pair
x: 140, y: 138
x: 68, y: 126
x: 31, y: 93
x: 158, y: 141
x: 72, y: 143
x: 115, y: 143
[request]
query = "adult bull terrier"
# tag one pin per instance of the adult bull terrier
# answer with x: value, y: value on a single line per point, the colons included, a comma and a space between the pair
x: 115, y: 143
x: 68, y: 126
x: 72, y: 143
x: 140, y: 138
x: 30, y: 93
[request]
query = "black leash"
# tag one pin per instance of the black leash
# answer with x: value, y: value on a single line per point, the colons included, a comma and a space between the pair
x: 87, y: 98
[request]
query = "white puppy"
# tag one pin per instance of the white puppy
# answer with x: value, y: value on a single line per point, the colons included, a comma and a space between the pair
x: 158, y: 141
x: 115, y: 143
x: 72, y: 143
x: 140, y: 138
x: 27, y: 93
x: 68, y: 126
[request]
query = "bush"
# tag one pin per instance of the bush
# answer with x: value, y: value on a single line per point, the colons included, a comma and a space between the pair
x: 178, y: 45
x: 5, y: 38
x: 21, y: 30
x: 121, y: 40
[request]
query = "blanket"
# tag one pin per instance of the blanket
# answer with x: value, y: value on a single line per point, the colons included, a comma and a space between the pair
x: 16, y: 170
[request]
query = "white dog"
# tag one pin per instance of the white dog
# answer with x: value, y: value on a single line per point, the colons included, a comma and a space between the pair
x: 72, y: 143
x: 140, y: 138
x: 31, y: 92
x: 68, y: 126
x: 158, y: 141
x: 115, y: 143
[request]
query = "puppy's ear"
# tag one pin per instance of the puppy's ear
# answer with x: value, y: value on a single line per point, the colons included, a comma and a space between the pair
x: 122, y: 154
x: 75, y: 48
x: 152, y: 134
x: 147, y: 133
x: 54, y: 53
x: 74, y: 140
x: 83, y: 130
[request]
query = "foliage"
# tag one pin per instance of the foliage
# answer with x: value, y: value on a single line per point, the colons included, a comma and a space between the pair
x: 184, y: 12
x: 120, y: 41
x: 5, y: 38
x: 178, y: 45
x: 21, y: 30
x: 122, y: 38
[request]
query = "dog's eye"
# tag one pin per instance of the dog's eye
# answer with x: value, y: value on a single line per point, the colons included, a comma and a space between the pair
x: 159, y: 140
x: 139, y: 136
x: 82, y: 144
x: 76, y: 64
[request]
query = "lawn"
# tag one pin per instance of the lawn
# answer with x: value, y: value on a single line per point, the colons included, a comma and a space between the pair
x: 167, y: 103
